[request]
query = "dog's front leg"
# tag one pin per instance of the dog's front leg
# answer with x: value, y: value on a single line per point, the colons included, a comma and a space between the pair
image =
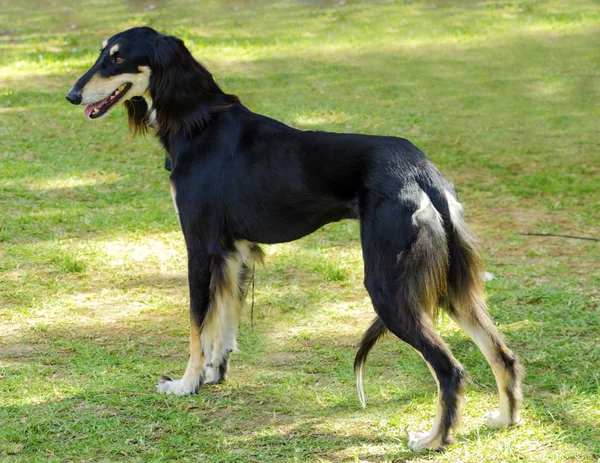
x: 199, y: 282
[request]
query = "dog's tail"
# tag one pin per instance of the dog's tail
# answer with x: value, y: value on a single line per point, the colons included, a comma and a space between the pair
x: 371, y: 336
x: 465, y: 275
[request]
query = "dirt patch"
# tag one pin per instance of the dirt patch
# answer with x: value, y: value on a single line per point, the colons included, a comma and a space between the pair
x: 503, y: 227
x: 281, y: 358
x: 17, y: 350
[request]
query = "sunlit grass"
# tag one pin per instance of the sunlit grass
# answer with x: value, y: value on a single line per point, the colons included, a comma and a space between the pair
x: 503, y: 96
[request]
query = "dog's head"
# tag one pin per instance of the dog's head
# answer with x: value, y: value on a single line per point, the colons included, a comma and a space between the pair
x: 121, y: 72
x: 156, y: 77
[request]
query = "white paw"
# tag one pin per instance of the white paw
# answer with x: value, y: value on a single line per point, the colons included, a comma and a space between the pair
x: 494, y: 420
x: 420, y: 440
x: 211, y: 375
x: 175, y: 387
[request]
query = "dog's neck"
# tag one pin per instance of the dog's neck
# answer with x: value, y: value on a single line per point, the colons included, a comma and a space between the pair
x: 173, y: 120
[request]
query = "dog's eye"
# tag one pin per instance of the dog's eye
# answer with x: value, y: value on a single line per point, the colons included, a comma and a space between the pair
x: 118, y: 59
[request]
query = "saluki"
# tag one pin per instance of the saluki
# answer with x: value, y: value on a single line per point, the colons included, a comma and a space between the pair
x: 240, y: 178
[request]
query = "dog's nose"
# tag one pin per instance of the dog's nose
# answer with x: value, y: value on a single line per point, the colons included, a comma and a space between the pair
x: 74, y: 96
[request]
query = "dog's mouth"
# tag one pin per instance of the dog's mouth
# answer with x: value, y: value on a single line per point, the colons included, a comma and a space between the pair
x: 96, y: 110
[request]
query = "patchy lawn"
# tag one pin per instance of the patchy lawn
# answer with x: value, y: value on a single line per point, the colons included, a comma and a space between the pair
x: 503, y: 96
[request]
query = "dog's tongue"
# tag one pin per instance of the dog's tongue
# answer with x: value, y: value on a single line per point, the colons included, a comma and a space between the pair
x: 89, y: 108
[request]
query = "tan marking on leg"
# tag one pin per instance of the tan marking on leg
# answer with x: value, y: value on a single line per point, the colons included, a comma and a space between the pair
x: 196, y: 361
x: 220, y: 326
x: 226, y: 322
x: 479, y: 332
x: 229, y: 304
x: 471, y: 314
x: 210, y: 333
x: 192, y: 378
x: 230, y: 301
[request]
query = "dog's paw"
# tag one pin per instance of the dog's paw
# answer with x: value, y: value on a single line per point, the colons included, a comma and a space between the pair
x: 167, y: 385
x: 212, y: 376
x: 496, y: 421
x: 421, y: 440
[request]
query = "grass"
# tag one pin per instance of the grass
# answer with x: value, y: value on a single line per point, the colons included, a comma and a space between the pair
x: 503, y: 96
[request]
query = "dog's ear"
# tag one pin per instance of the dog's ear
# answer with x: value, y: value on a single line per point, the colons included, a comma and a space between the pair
x: 184, y: 94
x: 166, y: 55
x: 164, y: 50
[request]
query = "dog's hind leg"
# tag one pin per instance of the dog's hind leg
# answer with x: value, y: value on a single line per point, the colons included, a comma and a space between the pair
x: 477, y: 324
x: 419, y: 333
x: 468, y: 309
x: 406, y: 263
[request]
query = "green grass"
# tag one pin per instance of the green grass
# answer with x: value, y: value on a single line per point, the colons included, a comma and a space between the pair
x: 503, y: 96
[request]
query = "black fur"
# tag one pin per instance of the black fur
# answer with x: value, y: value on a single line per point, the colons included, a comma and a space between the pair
x: 138, y: 115
x: 244, y: 176
x: 373, y: 334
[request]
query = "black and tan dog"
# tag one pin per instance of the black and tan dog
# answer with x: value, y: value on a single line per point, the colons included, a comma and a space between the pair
x: 239, y: 178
